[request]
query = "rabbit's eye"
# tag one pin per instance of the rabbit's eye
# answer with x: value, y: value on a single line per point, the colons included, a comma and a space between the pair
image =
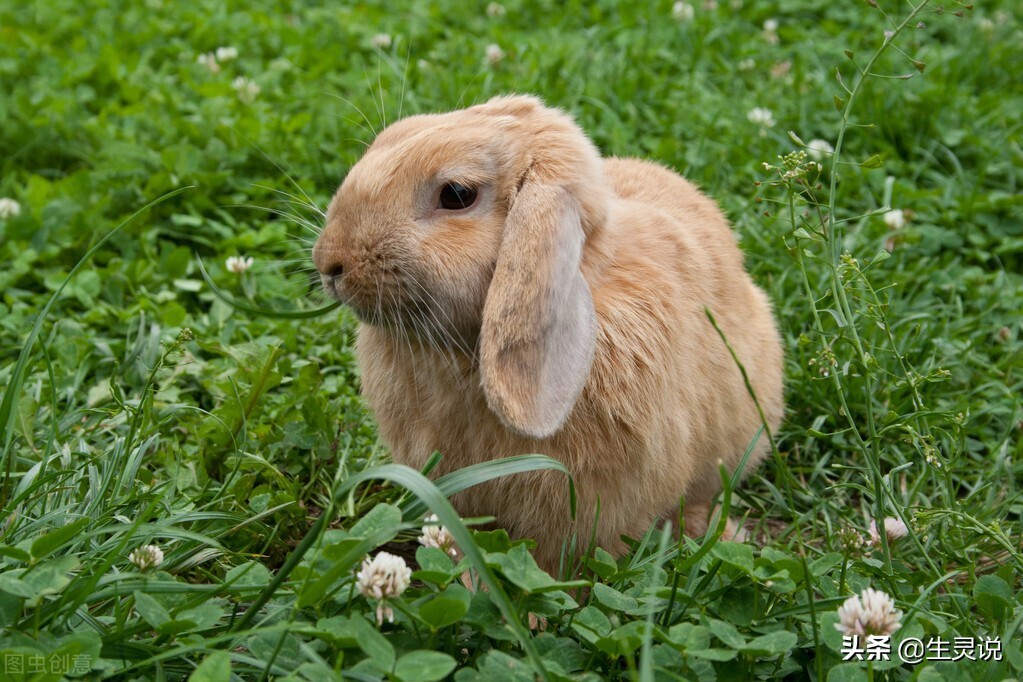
x: 456, y: 197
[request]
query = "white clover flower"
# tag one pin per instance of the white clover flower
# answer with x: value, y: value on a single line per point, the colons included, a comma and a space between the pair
x: 381, y: 41
x: 818, y: 149
x: 895, y: 219
x: 436, y: 535
x: 682, y: 12
x: 209, y: 60
x: 384, y: 577
x: 894, y: 528
x: 986, y: 25
x: 226, y: 54
x: 871, y: 613
x: 494, y: 53
x: 146, y: 558
x: 747, y: 64
x: 247, y: 89
x: 771, y: 31
x: 762, y: 117
x: 9, y: 208
x: 495, y: 9
x: 239, y: 264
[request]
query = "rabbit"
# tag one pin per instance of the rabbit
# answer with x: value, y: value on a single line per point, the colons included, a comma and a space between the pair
x: 518, y: 293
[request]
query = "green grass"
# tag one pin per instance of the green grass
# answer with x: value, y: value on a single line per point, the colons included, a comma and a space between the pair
x: 141, y: 407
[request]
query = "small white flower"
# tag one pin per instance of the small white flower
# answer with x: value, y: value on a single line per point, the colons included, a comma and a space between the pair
x: 435, y: 535
x: 146, y: 558
x: 247, y: 89
x: 771, y: 31
x: 494, y: 53
x: 226, y: 54
x: 209, y: 60
x: 986, y: 25
x: 384, y: 577
x: 871, y: 613
x: 894, y: 528
x: 895, y: 219
x: 239, y: 264
x: 762, y: 117
x: 381, y: 41
x: 683, y: 12
x: 747, y: 64
x: 495, y: 9
x: 818, y: 149
x: 9, y: 208
x: 888, y: 35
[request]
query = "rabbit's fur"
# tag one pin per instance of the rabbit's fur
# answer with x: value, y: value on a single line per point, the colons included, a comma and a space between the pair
x: 563, y: 313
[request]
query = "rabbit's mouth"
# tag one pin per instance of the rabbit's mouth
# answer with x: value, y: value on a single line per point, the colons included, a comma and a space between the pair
x: 412, y: 318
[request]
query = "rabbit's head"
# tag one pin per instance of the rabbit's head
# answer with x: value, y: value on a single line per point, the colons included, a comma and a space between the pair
x: 466, y: 230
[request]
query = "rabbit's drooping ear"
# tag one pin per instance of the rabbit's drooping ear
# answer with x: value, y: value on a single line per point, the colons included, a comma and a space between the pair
x: 539, y: 326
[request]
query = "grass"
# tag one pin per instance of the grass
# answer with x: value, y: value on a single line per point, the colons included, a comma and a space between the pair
x: 147, y: 401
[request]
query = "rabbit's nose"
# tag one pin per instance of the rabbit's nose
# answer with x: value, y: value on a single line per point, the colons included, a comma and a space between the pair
x: 327, y: 259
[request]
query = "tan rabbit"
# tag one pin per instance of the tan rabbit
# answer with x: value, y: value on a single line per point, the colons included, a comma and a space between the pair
x: 520, y: 294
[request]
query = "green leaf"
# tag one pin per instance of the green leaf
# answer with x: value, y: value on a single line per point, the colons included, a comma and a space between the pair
x: 602, y: 564
x: 81, y: 650
x: 737, y: 554
x: 847, y: 672
x: 994, y: 596
x: 688, y: 636
x: 202, y: 617
x: 379, y: 521
x: 152, y: 611
x: 613, y: 599
x: 626, y: 639
x: 11, y: 583
x: 493, y: 541
x: 372, y: 643
x: 49, y: 578
x: 591, y: 624
x: 424, y: 666
x: 215, y: 668
x: 497, y: 666
x: 16, y: 553
x: 771, y: 644
x: 727, y: 633
x: 248, y: 574
x: 446, y: 608
x: 338, y: 630
x: 45, y: 544
x: 566, y: 653
x: 435, y: 566
x: 519, y: 566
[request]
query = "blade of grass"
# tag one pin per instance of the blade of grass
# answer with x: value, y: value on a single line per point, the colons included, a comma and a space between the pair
x: 261, y: 312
